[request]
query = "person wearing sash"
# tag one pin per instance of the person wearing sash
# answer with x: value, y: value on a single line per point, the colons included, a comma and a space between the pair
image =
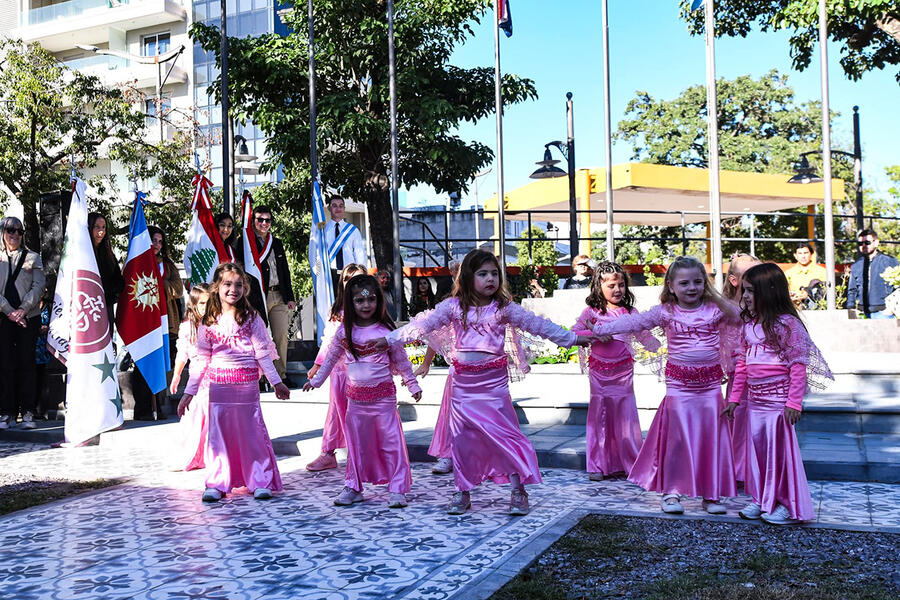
x: 22, y: 282
x: 343, y: 240
x: 276, y: 302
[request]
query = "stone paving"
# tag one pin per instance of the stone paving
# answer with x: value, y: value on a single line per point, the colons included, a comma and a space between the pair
x: 152, y: 537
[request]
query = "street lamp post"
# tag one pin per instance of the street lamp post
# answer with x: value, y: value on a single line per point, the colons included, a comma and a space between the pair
x: 243, y: 160
x: 477, y: 207
x: 227, y: 170
x: 548, y: 170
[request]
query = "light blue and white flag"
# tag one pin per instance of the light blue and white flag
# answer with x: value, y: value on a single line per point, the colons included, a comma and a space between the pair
x: 320, y: 262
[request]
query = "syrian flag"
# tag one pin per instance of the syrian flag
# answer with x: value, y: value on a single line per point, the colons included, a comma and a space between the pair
x: 319, y: 263
x: 504, y: 17
x: 252, y: 254
x: 79, y: 334
x: 205, y: 249
x: 141, y: 314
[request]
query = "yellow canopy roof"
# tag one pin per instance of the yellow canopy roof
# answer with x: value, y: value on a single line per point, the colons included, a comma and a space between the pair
x: 645, y: 186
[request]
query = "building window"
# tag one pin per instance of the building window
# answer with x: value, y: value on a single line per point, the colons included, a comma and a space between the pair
x: 155, y: 43
x: 150, y: 110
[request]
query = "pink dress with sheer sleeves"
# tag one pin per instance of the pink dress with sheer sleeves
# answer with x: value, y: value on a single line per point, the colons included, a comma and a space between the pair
x: 376, y: 448
x: 766, y: 380
x: 195, y: 422
x: 486, y: 442
x: 613, y: 428
x: 688, y: 446
x: 230, y: 357
x: 333, y: 430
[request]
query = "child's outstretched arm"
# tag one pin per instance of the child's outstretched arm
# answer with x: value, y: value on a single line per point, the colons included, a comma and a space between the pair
x: 181, y: 358
x: 632, y: 323
x: 524, y: 319
x: 332, y: 355
x: 262, y: 352
x: 419, y: 327
x: 199, y: 365
x: 584, y: 322
x: 401, y: 362
x: 423, y: 369
x: 331, y: 328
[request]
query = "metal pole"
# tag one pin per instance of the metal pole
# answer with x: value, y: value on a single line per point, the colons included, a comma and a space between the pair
x: 857, y: 172
x: 498, y: 106
x: 159, y: 93
x: 313, y: 155
x: 395, y: 184
x: 477, y: 214
x: 752, y: 235
x: 570, y: 151
x: 826, y: 158
x: 227, y: 175
x: 607, y: 113
x: 715, y: 207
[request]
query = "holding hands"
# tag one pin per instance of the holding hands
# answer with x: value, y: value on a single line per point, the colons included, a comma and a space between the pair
x: 729, y: 411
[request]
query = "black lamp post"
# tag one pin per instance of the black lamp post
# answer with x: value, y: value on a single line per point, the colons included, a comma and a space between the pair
x: 548, y: 170
x: 807, y: 174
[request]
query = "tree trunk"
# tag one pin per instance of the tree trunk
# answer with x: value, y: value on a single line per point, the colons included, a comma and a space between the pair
x: 381, y: 226
x: 30, y: 198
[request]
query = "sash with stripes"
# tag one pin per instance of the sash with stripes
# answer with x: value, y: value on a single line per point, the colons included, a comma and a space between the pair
x: 338, y: 243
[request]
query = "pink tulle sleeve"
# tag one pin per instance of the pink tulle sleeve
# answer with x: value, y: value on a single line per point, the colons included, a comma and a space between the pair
x: 184, y: 348
x: 330, y: 328
x: 400, y: 362
x: 262, y: 349
x: 583, y: 322
x: 740, y: 381
x: 796, y: 347
x: 633, y: 322
x: 797, y: 386
x: 521, y: 318
x: 333, y: 353
x: 199, y: 362
x: 434, y: 327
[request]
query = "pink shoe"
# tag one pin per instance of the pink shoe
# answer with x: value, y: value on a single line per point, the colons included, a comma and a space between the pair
x: 323, y: 462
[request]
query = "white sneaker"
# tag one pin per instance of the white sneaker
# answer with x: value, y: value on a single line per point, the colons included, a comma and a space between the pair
x: 262, y: 493
x: 28, y: 421
x: 751, y: 512
x: 397, y: 501
x: 595, y: 476
x: 212, y: 495
x: 671, y: 504
x: 348, y: 496
x: 714, y: 507
x: 442, y: 466
x: 779, y: 516
x: 4, y: 422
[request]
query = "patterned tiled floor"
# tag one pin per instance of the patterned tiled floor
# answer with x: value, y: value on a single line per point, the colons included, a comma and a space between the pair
x: 153, y: 538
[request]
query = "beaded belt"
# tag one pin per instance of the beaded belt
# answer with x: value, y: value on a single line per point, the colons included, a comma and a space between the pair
x: 494, y: 363
x: 236, y: 375
x: 371, y: 393
x: 360, y: 349
x: 609, y: 367
x: 705, y: 375
x: 768, y: 388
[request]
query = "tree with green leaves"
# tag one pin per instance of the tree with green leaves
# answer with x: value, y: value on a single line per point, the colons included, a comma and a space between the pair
x: 868, y: 30
x: 268, y: 83
x: 49, y: 113
x: 531, y: 255
x: 762, y: 129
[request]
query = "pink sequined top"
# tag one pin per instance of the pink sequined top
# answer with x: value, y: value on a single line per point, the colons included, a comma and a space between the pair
x: 330, y: 328
x: 485, y: 330
x: 227, y: 345
x: 371, y: 367
x: 796, y: 358
x: 619, y: 348
x: 692, y: 335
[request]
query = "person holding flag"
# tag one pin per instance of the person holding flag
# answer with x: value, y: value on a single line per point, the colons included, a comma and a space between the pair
x: 205, y: 249
x: 265, y: 262
x: 142, y: 315
x: 80, y: 335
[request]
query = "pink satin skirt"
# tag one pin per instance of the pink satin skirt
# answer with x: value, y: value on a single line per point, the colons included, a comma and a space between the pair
x: 739, y: 427
x: 333, y: 430
x: 688, y: 447
x: 775, y: 473
x: 194, y: 426
x: 486, y: 442
x: 239, y: 452
x: 376, y: 448
x: 613, y: 427
x: 440, y: 441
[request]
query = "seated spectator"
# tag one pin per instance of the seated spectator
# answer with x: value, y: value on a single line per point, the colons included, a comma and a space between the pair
x: 806, y: 279
x: 422, y: 298
x: 582, y: 273
x: 386, y: 281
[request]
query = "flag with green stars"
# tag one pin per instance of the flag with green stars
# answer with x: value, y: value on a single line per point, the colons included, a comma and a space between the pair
x: 79, y: 334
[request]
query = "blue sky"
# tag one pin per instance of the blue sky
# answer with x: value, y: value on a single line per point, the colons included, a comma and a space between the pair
x: 559, y: 46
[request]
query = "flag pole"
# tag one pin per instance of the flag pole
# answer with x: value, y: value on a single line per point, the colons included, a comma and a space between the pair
x: 715, y: 207
x: 498, y: 106
x: 313, y: 157
x: 395, y: 183
x: 607, y: 114
x: 830, y: 300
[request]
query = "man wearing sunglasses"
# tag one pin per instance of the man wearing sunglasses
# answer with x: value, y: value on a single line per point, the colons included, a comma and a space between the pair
x: 867, y: 290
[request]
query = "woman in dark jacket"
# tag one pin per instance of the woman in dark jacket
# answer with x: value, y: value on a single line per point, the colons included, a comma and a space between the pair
x: 110, y: 273
x: 422, y: 298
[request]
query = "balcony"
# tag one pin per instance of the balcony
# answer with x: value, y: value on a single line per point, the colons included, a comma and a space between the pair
x: 59, y: 27
x: 112, y: 70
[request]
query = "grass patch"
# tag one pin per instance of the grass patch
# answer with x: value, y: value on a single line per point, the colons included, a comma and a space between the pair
x: 40, y: 492
x: 525, y: 587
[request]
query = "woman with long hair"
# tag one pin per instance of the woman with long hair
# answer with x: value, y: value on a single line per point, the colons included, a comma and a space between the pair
x: 107, y: 264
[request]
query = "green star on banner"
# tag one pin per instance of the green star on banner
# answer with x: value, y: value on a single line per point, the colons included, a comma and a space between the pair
x: 108, y: 369
x: 117, y: 401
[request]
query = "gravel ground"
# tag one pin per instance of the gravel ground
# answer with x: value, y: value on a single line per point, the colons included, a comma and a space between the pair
x: 632, y: 557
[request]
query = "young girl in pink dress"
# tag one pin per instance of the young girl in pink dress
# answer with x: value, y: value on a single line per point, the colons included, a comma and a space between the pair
x: 613, y: 427
x: 471, y: 329
x: 440, y: 440
x: 233, y: 346
x: 376, y: 448
x: 195, y: 423
x: 731, y: 291
x: 333, y: 430
x: 688, y: 447
x: 777, y: 364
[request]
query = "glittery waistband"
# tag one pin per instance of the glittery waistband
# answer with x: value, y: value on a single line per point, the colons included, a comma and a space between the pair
x: 767, y: 388
x: 371, y: 393
x: 494, y: 363
x: 236, y: 375
x: 604, y: 367
x: 703, y: 375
